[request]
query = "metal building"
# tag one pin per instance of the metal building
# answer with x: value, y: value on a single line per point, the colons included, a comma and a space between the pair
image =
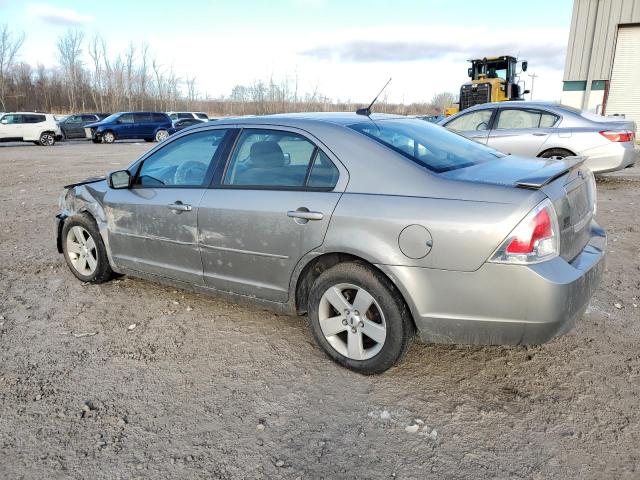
x: 602, y: 69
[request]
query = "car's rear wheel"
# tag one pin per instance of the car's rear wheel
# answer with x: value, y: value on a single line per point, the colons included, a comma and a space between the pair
x: 84, y: 250
x: 161, y: 135
x: 47, y: 139
x: 556, y: 153
x: 108, y: 137
x: 359, y: 318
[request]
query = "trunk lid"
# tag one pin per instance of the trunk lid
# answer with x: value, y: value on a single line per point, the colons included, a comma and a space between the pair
x: 567, y: 183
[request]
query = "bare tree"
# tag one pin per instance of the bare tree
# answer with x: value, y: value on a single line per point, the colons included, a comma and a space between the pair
x: 129, y: 66
x: 441, y: 101
x: 10, y: 44
x: 143, y: 74
x: 70, y: 52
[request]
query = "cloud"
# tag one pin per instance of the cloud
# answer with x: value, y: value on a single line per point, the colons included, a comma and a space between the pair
x: 548, y: 52
x: 56, y: 15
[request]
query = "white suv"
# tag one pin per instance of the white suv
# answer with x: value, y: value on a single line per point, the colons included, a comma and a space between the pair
x: 39, y: 128
x: 181, y: 115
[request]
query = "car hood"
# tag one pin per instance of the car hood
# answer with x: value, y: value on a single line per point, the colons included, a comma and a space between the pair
x: 515, y: 171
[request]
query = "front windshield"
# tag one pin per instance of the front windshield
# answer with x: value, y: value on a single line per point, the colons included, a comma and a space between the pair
x: 430, y: 146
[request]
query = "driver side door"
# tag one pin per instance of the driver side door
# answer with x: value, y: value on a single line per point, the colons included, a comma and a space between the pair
x: 474, y: 125
x: 152, y: 226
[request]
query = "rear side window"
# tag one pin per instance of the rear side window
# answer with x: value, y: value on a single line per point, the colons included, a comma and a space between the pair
x: 89, y: 118
x: 142, y: 117
x: 278, y: 159
x: 158, y: 118
x: 323, y: 172
x: 184, y: 115
x: 478, y: 120
x: 202, y: 116
x: 513, y: 118
x: 34, y: 118
x: 430, y: 146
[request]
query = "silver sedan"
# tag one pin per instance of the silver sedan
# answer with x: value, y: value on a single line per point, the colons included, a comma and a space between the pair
x: 378, y: 227
x: 538, y: 129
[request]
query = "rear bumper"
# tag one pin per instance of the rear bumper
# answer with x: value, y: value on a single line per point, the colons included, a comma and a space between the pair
x: 611, y: 157
x: 501, y: 304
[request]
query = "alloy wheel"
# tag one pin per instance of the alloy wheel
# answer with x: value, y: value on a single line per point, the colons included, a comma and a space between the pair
x: 81, y: 249
x: 47, y: 139
x: 352, y: 321
x: 161, y: 135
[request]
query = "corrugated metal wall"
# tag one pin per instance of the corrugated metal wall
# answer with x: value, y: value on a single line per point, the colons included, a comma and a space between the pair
x: 592, y: 40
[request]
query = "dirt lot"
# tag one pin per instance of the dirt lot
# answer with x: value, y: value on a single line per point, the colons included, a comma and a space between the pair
x: 203, y: 388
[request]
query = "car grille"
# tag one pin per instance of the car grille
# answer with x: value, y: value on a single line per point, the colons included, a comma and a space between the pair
x: 474, y: 94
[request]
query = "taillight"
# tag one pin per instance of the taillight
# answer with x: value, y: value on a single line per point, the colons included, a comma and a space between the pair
x: 619, y: 136
x: 534, y: 239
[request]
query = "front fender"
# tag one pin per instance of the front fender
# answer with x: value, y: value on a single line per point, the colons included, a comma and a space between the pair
x: 86, y: 198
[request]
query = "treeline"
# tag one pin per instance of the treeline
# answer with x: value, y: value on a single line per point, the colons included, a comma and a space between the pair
x: 89, y: 77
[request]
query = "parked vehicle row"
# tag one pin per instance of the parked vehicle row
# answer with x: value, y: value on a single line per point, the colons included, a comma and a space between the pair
x: 377, y: 226
x: 538, y: 129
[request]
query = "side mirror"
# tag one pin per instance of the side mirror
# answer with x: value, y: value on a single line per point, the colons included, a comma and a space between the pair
x: 469, y: 72
x: 120, y: 179
x: 525, y: 65
x: 526, y: 91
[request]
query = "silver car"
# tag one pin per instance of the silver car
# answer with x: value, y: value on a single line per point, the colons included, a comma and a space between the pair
x: 378, y: 227
x: 537, y: 129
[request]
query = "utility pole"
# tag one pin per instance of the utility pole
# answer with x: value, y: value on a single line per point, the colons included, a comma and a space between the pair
x: 533, y: 76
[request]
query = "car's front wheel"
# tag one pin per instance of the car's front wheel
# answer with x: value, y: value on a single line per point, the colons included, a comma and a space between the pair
x: 161, y: 135
x: 47, y: 139
x: 84, y: 250
x: 108, y: 137
x: 359, y: 318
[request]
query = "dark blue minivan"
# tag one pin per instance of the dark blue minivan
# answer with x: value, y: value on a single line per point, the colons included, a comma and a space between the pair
x: 147, y: 126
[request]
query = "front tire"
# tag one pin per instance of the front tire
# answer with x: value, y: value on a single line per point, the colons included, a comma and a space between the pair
x: 359, y: 319
x: 84, y: 250
x: 108, y: 137
x: 161, y: 135
x: 47, y: 139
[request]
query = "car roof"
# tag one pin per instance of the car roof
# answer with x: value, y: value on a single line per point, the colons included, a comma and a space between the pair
x: 293, y: 119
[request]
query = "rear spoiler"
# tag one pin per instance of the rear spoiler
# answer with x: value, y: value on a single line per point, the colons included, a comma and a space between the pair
x: 551, y: 171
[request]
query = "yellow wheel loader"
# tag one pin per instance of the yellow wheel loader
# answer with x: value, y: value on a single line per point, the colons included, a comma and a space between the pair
x: 493, y: 79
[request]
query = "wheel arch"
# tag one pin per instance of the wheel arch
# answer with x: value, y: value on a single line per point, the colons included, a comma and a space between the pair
x: 556, y: 148
x: 313, y: 268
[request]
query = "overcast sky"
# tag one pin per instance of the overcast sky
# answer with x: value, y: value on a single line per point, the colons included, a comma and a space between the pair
x: 345, y: 49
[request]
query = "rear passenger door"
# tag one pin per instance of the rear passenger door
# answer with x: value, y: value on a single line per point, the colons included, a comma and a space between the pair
x: 521, y: 131
x: 473, y: 125
x: 270, y: 206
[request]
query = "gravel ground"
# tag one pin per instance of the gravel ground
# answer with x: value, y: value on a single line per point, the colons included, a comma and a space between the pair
x: 204, y: 388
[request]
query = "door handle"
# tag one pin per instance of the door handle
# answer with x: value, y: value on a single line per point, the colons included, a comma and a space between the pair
x: 540, y: 134
x: 179, y: 207
x: 305, y: 214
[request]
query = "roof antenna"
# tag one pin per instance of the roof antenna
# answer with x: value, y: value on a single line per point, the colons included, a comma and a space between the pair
x: 367, y: 111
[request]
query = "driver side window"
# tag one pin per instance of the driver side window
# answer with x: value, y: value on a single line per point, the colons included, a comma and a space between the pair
x: 478, y: 120
x: 182, y: 163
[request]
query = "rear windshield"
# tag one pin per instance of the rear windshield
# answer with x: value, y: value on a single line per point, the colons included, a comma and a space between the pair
x: 430, y: 146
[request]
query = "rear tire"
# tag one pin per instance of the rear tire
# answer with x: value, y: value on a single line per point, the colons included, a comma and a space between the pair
x: 377, y: 330
x: 47, y: 139
x: 556, y: 153
x: 108, y: 137
x: 84, y: 250
x: 161, y: 135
